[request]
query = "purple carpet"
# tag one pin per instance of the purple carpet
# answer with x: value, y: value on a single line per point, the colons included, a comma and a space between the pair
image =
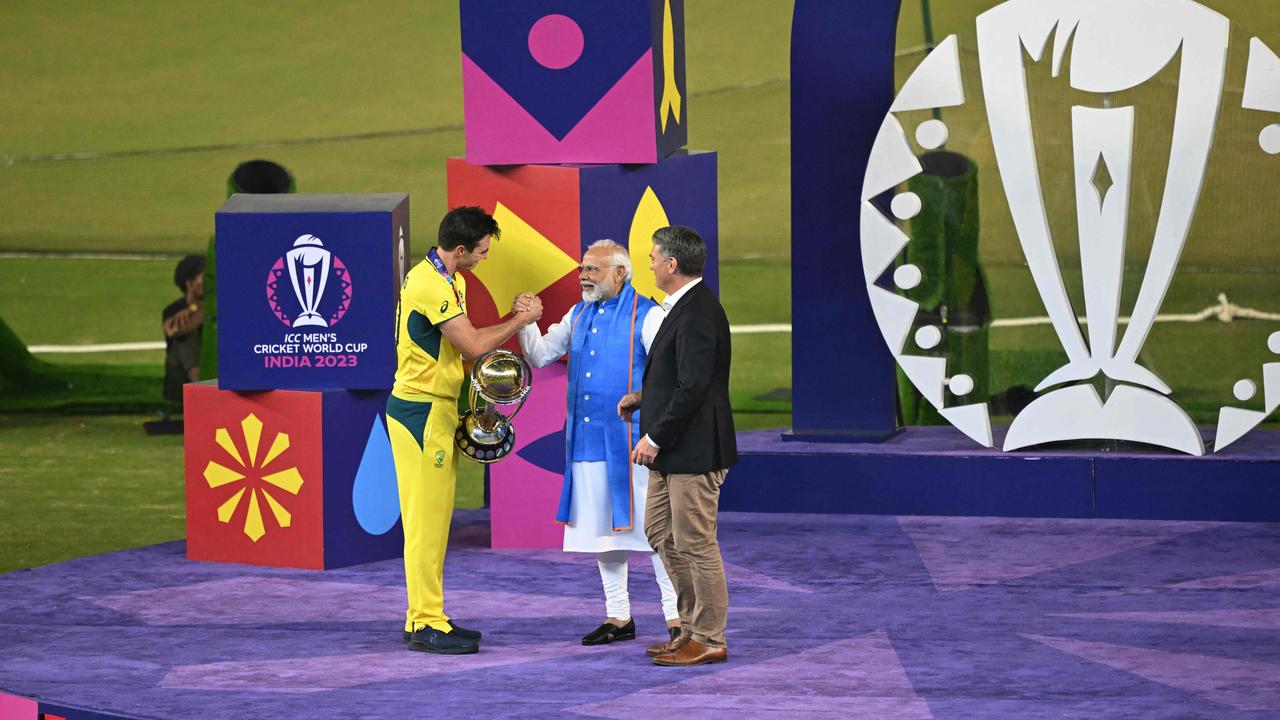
x: 832, y: 616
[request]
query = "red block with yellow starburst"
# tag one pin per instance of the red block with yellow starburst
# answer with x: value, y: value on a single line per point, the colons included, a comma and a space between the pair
x: 271, y: 477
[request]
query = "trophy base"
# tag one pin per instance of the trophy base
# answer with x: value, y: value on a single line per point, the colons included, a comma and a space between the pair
x: 1130, y: 413
x: 310, y: 320
x: 481, y: 445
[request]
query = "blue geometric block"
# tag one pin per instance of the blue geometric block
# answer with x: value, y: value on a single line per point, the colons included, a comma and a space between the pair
x: 307, y: 290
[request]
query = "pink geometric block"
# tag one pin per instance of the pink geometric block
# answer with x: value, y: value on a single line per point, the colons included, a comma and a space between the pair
x: 13, y: 707
x: 573, y: 81
x: 524, y: 489
x: 501, y: 132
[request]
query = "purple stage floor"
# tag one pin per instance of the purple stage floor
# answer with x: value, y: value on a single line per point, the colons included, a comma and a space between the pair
x: 832, y: 616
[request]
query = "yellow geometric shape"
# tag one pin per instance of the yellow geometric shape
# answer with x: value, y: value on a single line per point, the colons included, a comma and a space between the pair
x: 524, y: 261
x: 649, y: 216
x: 670, y: 93
x: 252, y: 428
x: 287, y: 480
x: 217, y: 475
x: 228, y: 508
x: 253, y: 526
x: 279, y: 445
x: 283, y: 518
x: 224, y: 441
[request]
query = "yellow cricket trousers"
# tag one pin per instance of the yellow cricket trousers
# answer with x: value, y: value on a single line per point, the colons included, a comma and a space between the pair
x: 421, y: 431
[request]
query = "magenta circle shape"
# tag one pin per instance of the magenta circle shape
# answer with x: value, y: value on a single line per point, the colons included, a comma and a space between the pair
x: 555, y: 41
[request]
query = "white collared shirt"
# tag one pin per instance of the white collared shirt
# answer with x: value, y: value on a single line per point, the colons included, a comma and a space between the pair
x: 674, y: 297
x: 667, y: 304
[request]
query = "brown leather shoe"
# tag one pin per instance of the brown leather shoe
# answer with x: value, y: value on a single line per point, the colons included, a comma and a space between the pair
x: 692, y: 652
x: 671, y: 645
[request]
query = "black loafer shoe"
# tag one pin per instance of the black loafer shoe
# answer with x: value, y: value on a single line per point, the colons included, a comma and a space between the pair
x: 457, y: 631
x: 609, y: 632
x: 429, y: 639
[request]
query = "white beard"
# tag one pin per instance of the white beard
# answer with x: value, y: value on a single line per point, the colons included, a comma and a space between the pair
x: 599, y: 293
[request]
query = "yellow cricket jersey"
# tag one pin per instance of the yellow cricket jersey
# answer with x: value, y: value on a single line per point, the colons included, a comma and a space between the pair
x: 426, y: 362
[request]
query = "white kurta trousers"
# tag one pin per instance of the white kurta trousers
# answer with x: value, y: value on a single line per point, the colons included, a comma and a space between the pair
x: 590, y: 529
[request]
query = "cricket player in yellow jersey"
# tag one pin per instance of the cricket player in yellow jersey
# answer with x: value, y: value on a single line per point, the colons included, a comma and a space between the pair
x: 433, y: 336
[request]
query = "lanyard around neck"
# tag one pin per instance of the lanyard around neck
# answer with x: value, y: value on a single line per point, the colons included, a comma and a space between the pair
x: 436, y: 262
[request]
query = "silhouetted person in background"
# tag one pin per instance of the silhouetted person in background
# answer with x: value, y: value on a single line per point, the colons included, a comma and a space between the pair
x: 182, y: 321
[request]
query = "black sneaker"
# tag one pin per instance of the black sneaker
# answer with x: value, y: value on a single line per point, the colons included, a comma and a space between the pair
x: 464, y: 632
x: 457, y: 631
x: 608, y: 632
x: 429, y: 639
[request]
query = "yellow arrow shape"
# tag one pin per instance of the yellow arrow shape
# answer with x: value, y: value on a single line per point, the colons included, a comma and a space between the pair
x: 524, y: 260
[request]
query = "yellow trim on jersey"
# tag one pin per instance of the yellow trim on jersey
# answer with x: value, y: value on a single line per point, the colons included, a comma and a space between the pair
x: 426, y: 362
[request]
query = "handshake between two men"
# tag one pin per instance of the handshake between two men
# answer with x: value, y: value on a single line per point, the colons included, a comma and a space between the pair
x: 528, y: 306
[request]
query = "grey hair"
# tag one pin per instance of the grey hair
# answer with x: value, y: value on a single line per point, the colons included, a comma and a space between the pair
x: 621, y: 256
x: 685, y: 245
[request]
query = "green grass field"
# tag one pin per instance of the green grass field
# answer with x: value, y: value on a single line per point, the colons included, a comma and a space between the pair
x: 121, y: 122
x: 78, y: 485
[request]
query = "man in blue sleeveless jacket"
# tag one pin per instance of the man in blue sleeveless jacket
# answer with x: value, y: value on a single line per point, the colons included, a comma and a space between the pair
x: 606, y: 338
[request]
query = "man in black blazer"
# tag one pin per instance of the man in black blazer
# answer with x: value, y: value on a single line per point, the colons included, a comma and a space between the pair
x: 688, y: 443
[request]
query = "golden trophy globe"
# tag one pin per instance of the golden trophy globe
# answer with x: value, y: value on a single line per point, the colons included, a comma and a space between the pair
x: 498, y: 378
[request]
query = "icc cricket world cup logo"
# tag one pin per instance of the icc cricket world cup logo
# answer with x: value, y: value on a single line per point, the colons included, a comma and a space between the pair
x: 308, y: 264
x: 1100, y: 48
x: 312, y: 272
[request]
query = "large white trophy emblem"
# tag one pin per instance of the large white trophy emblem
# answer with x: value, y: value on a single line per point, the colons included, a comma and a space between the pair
x: 1114, y: 46
x: 308, y: 264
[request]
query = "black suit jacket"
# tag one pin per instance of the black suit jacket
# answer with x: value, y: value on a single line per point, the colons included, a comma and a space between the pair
x: 684, y: 407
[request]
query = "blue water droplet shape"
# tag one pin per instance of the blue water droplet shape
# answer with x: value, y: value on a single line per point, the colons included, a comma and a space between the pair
x: 374, y: 496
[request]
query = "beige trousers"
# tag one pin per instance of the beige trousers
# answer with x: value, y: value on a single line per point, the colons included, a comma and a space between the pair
x: 680, y: 522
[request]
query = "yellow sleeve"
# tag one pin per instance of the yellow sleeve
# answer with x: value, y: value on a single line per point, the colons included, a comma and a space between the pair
x: 434, y: 298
